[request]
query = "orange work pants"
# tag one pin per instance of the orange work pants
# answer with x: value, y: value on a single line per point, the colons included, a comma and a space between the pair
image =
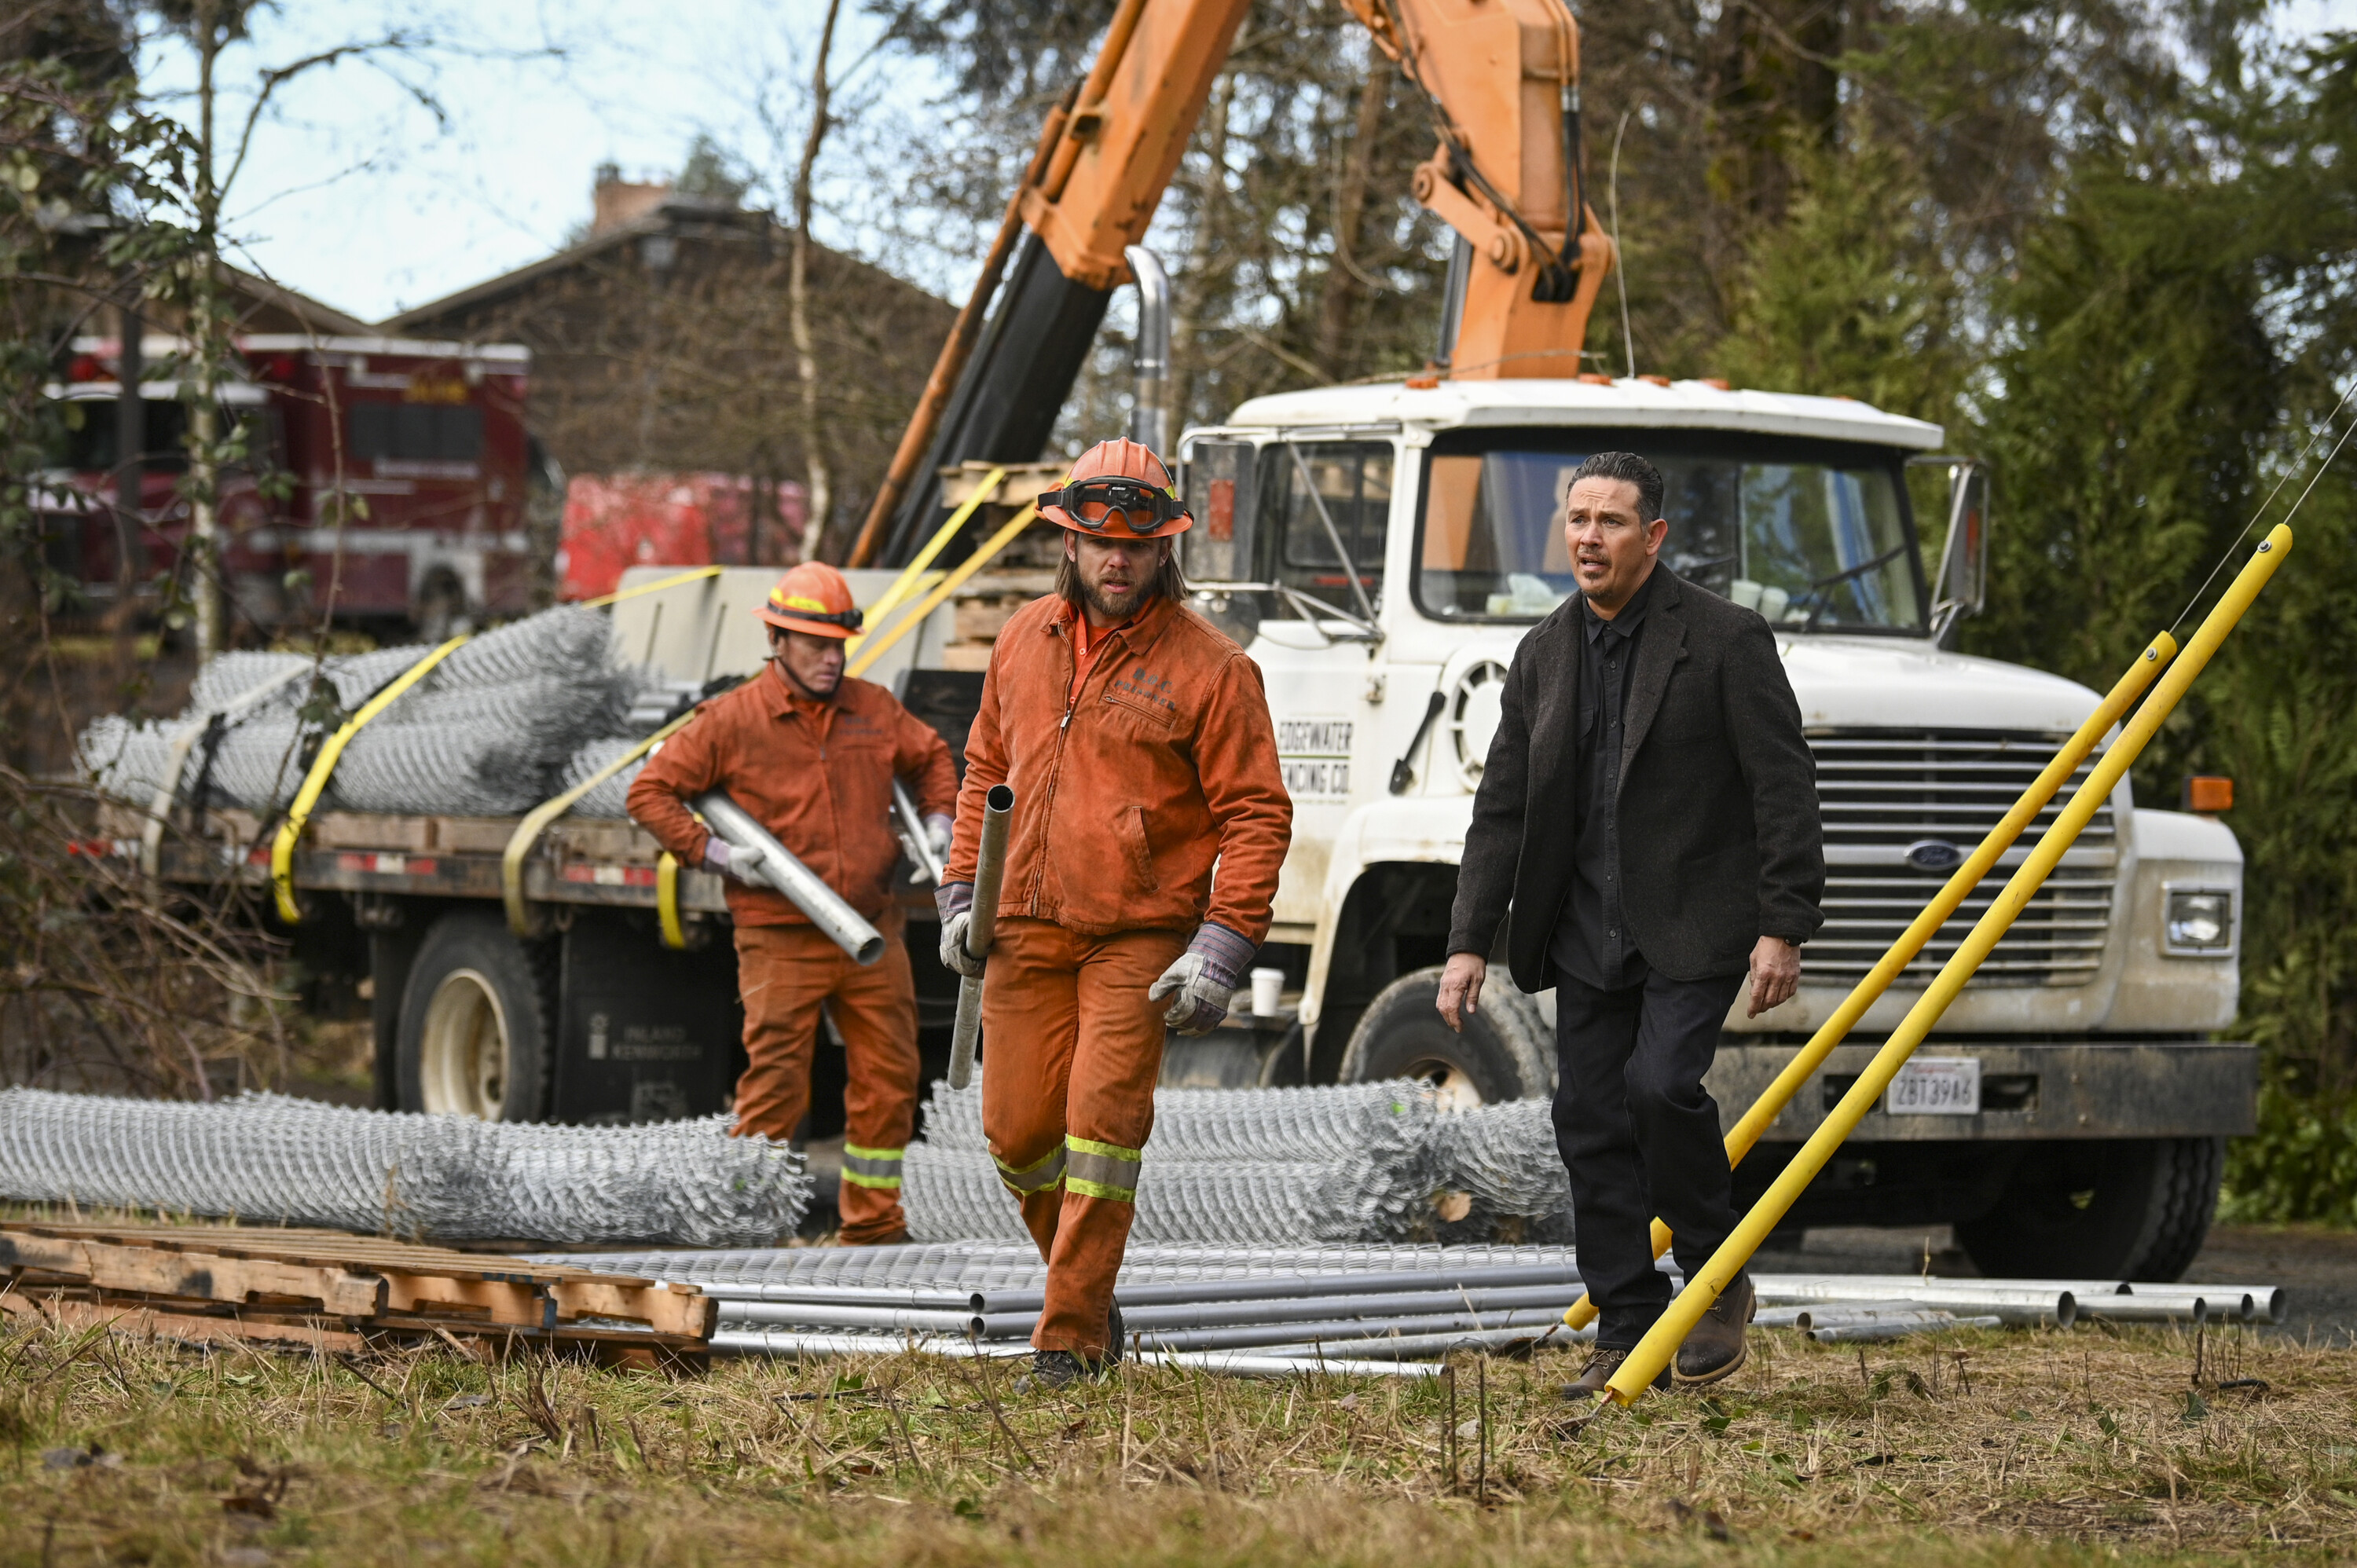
x: 785, y: 974
x: 1072, y: 1047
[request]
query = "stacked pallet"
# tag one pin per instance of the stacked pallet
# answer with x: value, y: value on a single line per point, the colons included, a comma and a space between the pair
x: 343, y: 1293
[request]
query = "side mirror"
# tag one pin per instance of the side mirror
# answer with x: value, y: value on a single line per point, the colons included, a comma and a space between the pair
x: 1220, y: 492
x: 1960, y: 587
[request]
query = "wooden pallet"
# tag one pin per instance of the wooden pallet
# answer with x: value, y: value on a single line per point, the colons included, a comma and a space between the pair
x: 335, y: 1290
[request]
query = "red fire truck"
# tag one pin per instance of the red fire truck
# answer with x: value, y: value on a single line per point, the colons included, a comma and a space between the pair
x: 389, y: 475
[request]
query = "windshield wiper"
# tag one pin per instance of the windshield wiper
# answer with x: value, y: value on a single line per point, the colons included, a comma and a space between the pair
x: 1819, y: 599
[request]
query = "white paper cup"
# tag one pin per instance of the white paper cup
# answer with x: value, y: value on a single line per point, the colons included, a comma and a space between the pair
x: 1268, y: 992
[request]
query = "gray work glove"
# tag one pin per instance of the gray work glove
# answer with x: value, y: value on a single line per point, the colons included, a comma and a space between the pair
x: 937, y: 836
x: 721, y: 860
x: 954, y: 900
x: 1203, y: 978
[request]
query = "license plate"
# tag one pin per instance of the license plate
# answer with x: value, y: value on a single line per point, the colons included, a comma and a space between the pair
x: 1936, y: 1085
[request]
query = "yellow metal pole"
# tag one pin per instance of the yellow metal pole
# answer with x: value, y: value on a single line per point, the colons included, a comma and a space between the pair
x: 942, y: 590
x: 1661, y: 1343
x: 1868, y: 991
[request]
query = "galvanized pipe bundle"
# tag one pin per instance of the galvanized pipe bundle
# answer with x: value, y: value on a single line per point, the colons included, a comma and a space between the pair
x: 270, y: 1160
x: 1295, y: 1305
x: 1285, y: 1306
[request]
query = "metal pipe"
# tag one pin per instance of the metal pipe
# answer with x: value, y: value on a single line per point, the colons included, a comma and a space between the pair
x: 754, y: 1342
x: 1149, y: 417
x: 2028, y: 1304
x: 912, y: 830
x: 1661, y: 1341
x: 1406, y: 1347
x: 1452, y: 301
x: 989, y: 867
x: 1484, y: 1283
x: 1182, y: 1293
x: 1896, y: 1326
x: 2127, y: 1302
x: 779, y: 868
x: 849, y: 1314
x: 1378, y: 1305
x: 1535, y: 1321
x: 1992, y: 851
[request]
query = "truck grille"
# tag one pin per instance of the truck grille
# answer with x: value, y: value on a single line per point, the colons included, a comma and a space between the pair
x: 1884, y: 792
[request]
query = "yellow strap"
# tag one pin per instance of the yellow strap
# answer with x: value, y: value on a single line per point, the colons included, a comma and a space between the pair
x: 674, y: 935
x: 657, y: 586
x: 535, y: 820
x: 948, y: 586
x: 906, y: 582
x: 298, y: 815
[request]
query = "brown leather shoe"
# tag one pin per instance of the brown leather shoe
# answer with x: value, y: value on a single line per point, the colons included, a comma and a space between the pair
x: 1602, y: 1363
x: 1715, y: 1347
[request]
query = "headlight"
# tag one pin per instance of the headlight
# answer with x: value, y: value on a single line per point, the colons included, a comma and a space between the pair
x: 2197, y: 922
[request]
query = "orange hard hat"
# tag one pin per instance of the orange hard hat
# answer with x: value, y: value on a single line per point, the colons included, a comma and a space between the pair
x: 1117, y: 490
x: 814, y: 598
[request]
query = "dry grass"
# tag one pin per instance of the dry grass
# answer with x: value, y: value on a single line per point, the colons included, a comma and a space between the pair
x: 1975, y: 1449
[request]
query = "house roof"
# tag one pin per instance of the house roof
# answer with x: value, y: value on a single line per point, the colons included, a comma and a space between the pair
x: 666, y: 219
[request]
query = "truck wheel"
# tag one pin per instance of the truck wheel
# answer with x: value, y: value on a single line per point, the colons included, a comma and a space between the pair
x: 477, y: 1021
x: 1503, y: 1054
x: 2132, y: 1209
x: 2191, y: 1172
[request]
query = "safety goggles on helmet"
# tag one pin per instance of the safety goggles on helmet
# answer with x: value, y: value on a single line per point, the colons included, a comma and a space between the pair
x: 848, y: 619
x: 1094, y: 504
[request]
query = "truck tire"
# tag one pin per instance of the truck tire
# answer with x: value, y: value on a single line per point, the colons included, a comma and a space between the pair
x: 1503, y: 1054
x: 2135, y: 1208
x: 478, y: 1033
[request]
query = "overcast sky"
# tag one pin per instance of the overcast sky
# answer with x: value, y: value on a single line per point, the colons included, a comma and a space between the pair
x: 358, y: 194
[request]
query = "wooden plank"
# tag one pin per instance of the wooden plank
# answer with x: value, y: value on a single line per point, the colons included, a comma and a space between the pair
x: 205, y: 1276
x: 210, y: 1262
x: 663, y: 1308
x: 151, y: 1323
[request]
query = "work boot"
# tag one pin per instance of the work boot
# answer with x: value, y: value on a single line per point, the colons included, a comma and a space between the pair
x: 1715, y: 1347
x: 1062, y: 1368
x: 1602, y: 1363
x: 1053, y: 1369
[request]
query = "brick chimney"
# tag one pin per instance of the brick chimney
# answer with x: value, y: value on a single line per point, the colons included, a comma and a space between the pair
x: 619, y: 202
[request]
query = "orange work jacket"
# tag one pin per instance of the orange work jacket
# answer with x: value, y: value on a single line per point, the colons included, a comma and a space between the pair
x: 818, y: 774
x: 1131, y: 781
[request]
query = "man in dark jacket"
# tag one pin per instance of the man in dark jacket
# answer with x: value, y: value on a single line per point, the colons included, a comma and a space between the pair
x: 1649, y: 811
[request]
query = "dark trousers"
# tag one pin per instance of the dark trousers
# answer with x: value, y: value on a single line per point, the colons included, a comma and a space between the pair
x: 1639, y: 1136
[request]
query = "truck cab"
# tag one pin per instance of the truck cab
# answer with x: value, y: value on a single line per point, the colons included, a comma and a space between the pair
x: 1381, y: 551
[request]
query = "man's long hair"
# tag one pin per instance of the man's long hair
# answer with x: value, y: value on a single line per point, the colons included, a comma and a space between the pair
x: 1169, y: 582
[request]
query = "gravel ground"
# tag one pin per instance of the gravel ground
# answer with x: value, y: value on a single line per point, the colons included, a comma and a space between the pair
x: 2316, y: 1267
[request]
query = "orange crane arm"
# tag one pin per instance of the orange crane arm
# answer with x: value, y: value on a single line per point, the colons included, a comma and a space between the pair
x: 1501, y: 80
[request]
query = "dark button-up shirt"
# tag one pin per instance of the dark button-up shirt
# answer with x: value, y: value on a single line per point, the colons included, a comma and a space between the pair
x: 1592, y: 941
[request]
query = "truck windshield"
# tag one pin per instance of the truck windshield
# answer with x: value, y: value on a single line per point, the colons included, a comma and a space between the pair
x: 1813, y: 535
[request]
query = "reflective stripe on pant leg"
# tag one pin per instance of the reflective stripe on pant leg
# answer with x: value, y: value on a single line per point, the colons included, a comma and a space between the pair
x: 1038, y: 1176
x: 871, y: 1168
x: 1101, y: 1170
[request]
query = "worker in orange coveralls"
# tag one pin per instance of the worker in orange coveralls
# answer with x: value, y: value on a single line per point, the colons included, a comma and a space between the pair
x: 1136, y: 739
x: 813, y: 757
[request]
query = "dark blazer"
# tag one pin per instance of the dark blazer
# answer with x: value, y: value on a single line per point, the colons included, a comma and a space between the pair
x: 1720, y: 841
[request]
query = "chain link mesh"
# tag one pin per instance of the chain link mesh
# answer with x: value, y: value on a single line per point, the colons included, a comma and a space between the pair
x: 269, y: 1159
x: 493, y: 730
x: 1371, y: 1162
